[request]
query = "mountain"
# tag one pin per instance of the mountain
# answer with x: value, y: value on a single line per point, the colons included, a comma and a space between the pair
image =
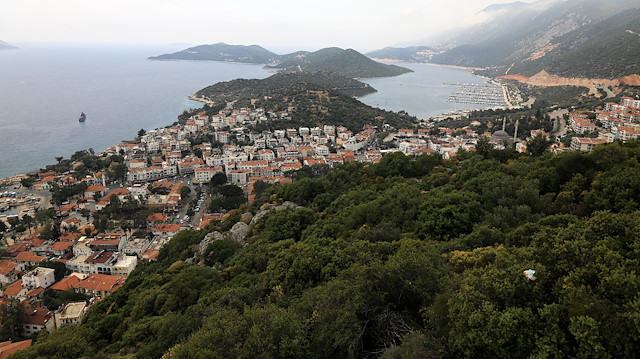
x: 252, y: 54
x: 406, y: 54
x: 348, y: 62
x: 527, y: 33
x: 607, y: 49
x: 6, y: 46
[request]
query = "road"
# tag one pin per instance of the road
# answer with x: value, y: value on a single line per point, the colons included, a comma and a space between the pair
x: 559, y: 125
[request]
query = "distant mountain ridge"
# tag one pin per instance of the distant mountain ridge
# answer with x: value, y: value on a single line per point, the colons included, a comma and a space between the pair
x: 573, y: 38
x: 6, y: 46
x: 405, y: 54
x: 349, y: 63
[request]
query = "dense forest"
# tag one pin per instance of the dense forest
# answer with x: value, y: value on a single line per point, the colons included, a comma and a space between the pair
x: 406, y: 258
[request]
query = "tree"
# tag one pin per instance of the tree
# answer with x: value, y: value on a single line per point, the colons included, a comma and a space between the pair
x: 117, y: 171
x: 484, y: 146
x: 142, y: 132
x: 184, y: 192
x: 538, y: 144
x: 3, y: 227
x: 218, y: 180
x: 59, y: 158
x: 12, y: 317
x: 27, y: 182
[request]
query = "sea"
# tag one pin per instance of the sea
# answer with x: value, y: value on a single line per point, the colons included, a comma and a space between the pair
x: 45, y: 87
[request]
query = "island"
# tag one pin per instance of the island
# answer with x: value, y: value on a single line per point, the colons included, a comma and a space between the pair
x: 349, y: 62
x: 6, y: 46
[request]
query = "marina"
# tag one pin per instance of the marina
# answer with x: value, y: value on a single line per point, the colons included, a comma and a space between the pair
x: 478, y: 94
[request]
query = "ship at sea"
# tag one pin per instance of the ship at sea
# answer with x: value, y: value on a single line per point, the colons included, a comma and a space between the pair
x: 82, y: 117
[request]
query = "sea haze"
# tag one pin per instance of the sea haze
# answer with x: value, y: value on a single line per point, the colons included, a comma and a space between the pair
x: 45, y: 87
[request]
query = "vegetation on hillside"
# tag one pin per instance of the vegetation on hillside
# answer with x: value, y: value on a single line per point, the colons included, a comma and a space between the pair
x: 348, y: 63
x: 406, y: 258
x: 308, y: 100
x: 255, y: 88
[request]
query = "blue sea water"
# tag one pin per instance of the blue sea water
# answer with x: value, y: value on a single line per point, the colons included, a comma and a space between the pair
x: 45, y: 87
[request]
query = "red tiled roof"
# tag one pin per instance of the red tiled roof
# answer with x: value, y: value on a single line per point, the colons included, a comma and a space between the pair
x: 30, y: 257
x: 102, y: 282
x: 6, y: 266
x: 13, y: 289
x: 66, y: 283
x: 8, y: 348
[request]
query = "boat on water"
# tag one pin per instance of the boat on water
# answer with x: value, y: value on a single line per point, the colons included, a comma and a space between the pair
x: 82, y: 117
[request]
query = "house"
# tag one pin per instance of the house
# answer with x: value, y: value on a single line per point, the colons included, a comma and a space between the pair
x: 39, y: 277
x: 29, y: 258
x: 15, y: 291
x: 166, y: 230
x: 10, y: 271
x: 71, y: 314
x: 61, y: 248
x: 95, y: 191
x: 205, y: 174
x: 67, y: 209
x: 70, y: 282
x: 100, y: 285
x: 585, y: 144
x: 38, y: 319
x: 156, y: 218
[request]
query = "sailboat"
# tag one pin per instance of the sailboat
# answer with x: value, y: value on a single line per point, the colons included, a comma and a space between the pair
x: 82, y: 117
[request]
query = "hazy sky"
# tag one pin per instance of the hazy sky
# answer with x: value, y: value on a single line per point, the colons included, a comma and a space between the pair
x: 284, y: 24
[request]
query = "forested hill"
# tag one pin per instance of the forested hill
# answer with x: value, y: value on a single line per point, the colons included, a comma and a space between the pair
x: 253, y: 88
x: 348, y: 63
x: 402, y: 259
x: 312, y: 99
x: 252, y: 54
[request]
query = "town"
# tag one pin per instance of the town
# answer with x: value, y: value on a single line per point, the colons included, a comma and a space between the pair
x: 75, y: 231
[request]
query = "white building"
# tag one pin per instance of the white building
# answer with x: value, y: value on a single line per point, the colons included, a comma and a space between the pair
x: 40, y: 277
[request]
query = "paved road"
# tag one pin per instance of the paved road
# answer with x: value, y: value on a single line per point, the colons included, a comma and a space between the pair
x: 560, y: 125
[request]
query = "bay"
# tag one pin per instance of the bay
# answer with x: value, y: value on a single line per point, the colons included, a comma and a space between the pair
x: 422, y: 93
x: 45, y: 87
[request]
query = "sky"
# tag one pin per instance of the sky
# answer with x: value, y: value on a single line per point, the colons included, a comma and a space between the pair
x: 276, y: 24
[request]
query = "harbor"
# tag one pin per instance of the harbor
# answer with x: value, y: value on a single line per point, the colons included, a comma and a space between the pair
x: 477, y: 94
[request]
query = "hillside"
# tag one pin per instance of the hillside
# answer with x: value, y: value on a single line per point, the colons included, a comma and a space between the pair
x: 348, y: 62
x: 316, y: 97
x: 408, y: 258
x: 607, y: 49
x: 6, y: 46
x: 581, y: 33
x: 253, y: 54
x: 405, y: 54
